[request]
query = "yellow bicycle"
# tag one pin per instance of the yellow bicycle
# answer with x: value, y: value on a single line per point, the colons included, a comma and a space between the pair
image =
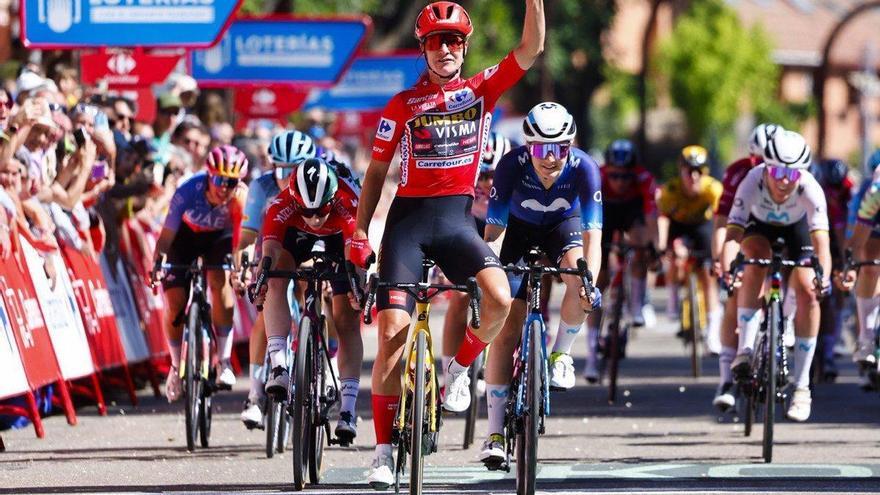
x: 417, y: 425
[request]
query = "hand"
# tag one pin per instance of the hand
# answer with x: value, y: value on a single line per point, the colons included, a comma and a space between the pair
x: 822, y: 288
x: 845, y: 280
x: 590, y: 302
x: 359, y: 250
x: 259, y: 297
x: 353, y: 301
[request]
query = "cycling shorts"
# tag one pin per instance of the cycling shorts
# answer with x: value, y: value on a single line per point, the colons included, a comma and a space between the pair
x: 621, y: 217
x: 697, y: 237
x: 440, y: 228
x: 300, y: 245
x: 481, y: 226
x: 554, y: 240
x: 189, y: 245
x: 795, y: 237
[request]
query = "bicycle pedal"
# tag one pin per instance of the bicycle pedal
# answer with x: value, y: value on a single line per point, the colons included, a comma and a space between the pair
x: 495, y: 465
x: 558, y: 389
x: 222, y: 386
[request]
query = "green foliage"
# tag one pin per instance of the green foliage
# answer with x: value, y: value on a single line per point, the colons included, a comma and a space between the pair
x: 497, y: 31
x: 716, y: 69
x: 323, y: 7
x: 614, y: 115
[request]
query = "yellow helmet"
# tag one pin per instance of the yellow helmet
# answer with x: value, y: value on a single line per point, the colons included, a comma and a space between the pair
x: 694, y: 156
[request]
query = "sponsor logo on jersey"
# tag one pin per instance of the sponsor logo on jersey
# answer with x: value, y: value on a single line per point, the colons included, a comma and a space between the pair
x: 597, y: 196
x: 781, y: 218
x: 284, y: 213
x: 385, y: 131
x: 447, y: 134
x: 459, y: 99
x: 488, y: 73
x: 455, y: 162
x: 419, y: 99
x: 535, y: 205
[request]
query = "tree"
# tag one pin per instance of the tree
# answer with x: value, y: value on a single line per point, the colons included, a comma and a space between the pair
x: 716, y: 69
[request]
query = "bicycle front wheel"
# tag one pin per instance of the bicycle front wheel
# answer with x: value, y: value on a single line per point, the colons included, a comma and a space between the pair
x: 417, y: 410
x: 694, y: 301
x: 773, y: 331
x: 273, y: 414
x: 205, y: 403
x: 470, y: 421
x: 319, y: 424
x: 527, y: 443
x: 191, y: 382
x: 301, y: 407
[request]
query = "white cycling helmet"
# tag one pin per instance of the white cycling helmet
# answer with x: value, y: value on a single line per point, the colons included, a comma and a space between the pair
x: 759, y: 137
x: 549, y: 122
x: 787, y: 149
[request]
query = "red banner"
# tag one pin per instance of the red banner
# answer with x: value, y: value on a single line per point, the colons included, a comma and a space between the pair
x: 269, y: 102
x: 126, y: 69
x: 136, y: 248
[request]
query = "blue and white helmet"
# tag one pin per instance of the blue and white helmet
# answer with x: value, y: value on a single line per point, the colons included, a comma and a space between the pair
x: 549, y: 122
x: 291, y: 147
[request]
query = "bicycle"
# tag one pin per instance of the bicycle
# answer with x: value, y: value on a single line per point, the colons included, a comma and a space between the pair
x: 417, y: 424
x: 197, y: 371
x: 612, y: 344
x: 873, y: 373
x: 768, y: 366
x: 310, y: 397
x: 529, y: 402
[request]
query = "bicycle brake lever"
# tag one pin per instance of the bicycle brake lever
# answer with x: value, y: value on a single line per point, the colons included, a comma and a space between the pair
x: 370, y: 299
x: 476, y: 296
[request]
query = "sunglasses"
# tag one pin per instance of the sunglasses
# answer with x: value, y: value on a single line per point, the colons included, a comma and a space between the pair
x: 620, y: 176
x: 543, y: 150
x: 170, y: 111
x: 779, y: 173
x: 315, y: 212
x: 224, y: 182
x: 453, y: 41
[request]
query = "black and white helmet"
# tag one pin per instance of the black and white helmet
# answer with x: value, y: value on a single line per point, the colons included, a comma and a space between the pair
x: 289, y: 147
x: 787, y: 149
x: 549, y: 122
x: 759, y: 137
x: 315, y: 184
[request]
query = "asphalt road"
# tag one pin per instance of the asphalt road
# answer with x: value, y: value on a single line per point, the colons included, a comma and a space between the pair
x: 662, y: 435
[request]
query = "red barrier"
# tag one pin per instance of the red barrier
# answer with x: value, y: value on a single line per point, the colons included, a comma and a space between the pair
x: 32, y: 336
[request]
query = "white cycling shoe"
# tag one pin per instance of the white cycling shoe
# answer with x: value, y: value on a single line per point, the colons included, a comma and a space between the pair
x: 561, y: 371
x: 457, y: 397
x: 724, y: 398
x: 864, y: 354
x: 801, y: 403
x: 493, y: 453
x: 381, y: 472
x: 226, y: 378
x: 252, y: 414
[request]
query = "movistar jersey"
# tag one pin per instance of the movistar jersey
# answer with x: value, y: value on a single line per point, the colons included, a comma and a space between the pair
x: 518, y: 191
x: 261, y: 192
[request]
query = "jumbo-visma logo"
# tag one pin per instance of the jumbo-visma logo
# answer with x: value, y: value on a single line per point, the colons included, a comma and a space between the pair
x: 61, y: 15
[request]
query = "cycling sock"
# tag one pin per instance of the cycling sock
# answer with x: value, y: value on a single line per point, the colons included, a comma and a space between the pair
x: 174, y: 349
x: 592, y: 344
x: 867, y: 308
x: 565, y: 336
x: 224, y: 342
x: 275, y: 350
x: 348, y: 391
x: 383, y: 449
x: 445, y: 360
x: 724, y: 359
x: 256, y: 373
x: 637, y: 298
x: 471, y: 347
x: 496, y: 403
x: 384, y: 408
x: 804, y: 348
x: 748, y: 322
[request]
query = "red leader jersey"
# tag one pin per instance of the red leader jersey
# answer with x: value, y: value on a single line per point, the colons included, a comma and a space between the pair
x: 644, y: 187
x: 284, y: 213
x: 441, y: 130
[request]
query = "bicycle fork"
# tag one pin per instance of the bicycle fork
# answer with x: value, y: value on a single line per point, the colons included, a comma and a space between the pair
x: 421, y: 326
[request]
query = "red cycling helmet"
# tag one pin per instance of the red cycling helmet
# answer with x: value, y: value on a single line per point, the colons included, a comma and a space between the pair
x: 227, y: 161
x: 443, y: 16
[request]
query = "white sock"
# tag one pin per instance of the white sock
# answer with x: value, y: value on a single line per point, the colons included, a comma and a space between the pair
x: 804, y: 348
x: 496, y: 403
x: 275, y: 348
x: 383, y: 449
x: 445, y: 360
x: 454, y: 367
x: 565, y: 336
x: 256, y: 373
x: 225, y: 341
x: 867, y: 308
x: 724, y: 359
x: 748, y: 323
x: 592, y: 344
x: 637, y: 295
x: 348, y: 391
x: 174, y: 349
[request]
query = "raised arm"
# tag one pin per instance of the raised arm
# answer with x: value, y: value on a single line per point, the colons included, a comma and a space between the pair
x: 532, y: 43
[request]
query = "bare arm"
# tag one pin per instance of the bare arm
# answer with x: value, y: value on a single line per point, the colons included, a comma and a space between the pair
x: 374, y: 179
x: 164, y: 242
x: 732, y: 240
x: 822, y: 244
x: 719, y: 233
x: 593, y: 250
x: 532, y: 43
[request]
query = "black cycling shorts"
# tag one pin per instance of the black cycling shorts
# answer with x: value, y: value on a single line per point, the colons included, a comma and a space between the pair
x: 697, y: 237
x: 554, y: 240
x: 189, y: 245
x: 300, y: 244
x: 795, y: 237
x: 621, y: 217
x: 440, y: 228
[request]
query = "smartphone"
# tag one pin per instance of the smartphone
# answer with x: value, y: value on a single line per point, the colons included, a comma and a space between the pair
x: 99, y: 170
x: 80, y: 136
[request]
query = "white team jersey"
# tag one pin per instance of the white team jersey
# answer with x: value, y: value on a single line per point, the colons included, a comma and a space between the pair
x: 753, y: 199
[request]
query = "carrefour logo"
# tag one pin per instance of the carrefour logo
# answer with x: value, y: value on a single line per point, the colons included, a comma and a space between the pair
x: 386, y: 129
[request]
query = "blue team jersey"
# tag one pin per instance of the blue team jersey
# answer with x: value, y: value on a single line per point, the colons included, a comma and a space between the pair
x: 261, y: 192
x: 190, y: 206
x: 517, y: 190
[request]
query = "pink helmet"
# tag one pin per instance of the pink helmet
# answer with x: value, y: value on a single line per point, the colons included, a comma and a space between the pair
x: 227, y: 161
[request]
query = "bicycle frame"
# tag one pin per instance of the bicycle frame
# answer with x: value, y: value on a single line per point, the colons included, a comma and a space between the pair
x: 524, y: 351
x: 407, y: 379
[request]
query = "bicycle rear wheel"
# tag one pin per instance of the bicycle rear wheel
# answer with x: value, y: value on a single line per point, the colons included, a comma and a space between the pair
x: 191, y: 382
x: 527, y: 443
x: 773, y: 331
x: 283, y: 429
x: 274, y: 411
x: 696, y: 329
x: 301, y: 408
x: 417, y: 410
x: 319, y: 424
x: 470, y: 421
x: 205, y: 403
x: 614, y: 350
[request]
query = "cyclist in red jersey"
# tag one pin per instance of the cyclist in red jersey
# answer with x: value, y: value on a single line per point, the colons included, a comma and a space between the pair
x: 629, y: 207
x: 734, y: 174
x: 440, y: 125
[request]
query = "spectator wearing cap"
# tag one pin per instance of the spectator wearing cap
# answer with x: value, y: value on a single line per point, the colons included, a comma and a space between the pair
x: 167, y: 118
x: 194, y: 138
